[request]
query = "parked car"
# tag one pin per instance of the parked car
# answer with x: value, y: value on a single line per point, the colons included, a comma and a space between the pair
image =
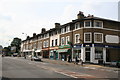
x: 15, y: 54
x: 115, y: 63
x: 35, y: 58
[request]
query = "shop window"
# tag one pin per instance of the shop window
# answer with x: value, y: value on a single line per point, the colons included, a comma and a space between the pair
x: 87, y: 23
x: 98, y: 53
x: 87, y: 37
x: 98, y: 37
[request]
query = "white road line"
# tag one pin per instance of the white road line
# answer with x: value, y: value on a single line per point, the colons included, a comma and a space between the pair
x: 66, y: 74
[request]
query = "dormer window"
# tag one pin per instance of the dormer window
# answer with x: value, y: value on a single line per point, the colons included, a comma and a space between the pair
x: 87, y: 23
x: 47, y: 34
x: 77, y: 26
x: 67, y: 28
x: 62, y: 30
x: 98, y: 24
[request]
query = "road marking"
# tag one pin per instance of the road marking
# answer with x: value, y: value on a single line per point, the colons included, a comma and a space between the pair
x: 66, y: 72
x: 29, y: 63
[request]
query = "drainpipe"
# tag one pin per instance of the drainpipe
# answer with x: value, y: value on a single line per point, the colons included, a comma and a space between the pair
x: 72, y: 45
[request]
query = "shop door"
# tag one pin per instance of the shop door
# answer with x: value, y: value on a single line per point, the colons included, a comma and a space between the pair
x: 87, y: 54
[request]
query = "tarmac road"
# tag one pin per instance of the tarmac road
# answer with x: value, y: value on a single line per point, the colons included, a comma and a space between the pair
x: 14, y: 67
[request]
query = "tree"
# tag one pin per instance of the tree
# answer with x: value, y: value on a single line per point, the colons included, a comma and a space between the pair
x: 15, y: 45
x: 6, y: 51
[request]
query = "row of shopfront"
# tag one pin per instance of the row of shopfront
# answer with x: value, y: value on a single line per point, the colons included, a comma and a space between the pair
x: 93, y: 53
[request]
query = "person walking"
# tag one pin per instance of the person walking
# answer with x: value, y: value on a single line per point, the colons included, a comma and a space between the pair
x: 76, y: 60
x: 69, y: 58
x: 81, y: 62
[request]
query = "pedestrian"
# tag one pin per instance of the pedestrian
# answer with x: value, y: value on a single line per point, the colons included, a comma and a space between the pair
x: 69, y: 58
x: 81, y: 62
x: 76, y: 60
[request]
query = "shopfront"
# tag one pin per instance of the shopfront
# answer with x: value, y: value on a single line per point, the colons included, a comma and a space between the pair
x: 53, y: 53
x: 64, y: 51
x: 77, y: 51
x: 45, y: 53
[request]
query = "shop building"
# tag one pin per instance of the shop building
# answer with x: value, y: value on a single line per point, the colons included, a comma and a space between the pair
x: 92, y: 39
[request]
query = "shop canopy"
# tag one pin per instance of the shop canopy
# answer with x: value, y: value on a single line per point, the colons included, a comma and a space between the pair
x: 38, y: 51
x: 62, y: 50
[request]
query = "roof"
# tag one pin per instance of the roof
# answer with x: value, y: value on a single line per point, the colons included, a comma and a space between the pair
x: 73, y: 21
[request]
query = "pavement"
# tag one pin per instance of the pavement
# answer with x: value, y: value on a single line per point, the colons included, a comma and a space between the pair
x: 88, y: 65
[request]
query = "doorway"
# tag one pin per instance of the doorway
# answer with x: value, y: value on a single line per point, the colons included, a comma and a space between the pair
x: 87, y: 54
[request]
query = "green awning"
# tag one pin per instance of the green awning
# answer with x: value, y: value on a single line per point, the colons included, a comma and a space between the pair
x: 62, y: 50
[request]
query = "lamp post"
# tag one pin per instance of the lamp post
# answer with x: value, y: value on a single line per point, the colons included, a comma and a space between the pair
x: 25, y: 45
x: 25, y: 34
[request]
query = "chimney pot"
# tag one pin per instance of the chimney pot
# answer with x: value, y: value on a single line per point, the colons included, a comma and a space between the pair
x: 80, y: 15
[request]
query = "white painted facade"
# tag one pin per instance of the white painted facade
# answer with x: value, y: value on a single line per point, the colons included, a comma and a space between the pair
x: 54, y: 37
x: 92, y: 54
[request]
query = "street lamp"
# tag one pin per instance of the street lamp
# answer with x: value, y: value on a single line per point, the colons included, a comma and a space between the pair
x: 25, y: 34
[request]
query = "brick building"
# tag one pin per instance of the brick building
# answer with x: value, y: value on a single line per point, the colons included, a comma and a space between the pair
x: 93, y: 40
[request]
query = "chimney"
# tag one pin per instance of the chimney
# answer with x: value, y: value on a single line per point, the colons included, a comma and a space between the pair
x: 43, y: 30
x: 28, y: 37
x: 57, y: 25
x: 80, y: 15
x: 34, y: 34
x: 90, y: 16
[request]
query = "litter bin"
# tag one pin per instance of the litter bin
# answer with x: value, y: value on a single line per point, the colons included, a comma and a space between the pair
x: 100, y: 62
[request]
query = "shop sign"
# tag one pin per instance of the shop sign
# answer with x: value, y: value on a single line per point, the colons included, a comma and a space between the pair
x: 87, y: 45
x: 64, y: 46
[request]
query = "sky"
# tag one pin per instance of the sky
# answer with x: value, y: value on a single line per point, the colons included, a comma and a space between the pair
x: 29, y: 16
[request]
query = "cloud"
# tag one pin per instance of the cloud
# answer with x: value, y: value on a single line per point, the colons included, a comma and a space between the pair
x: 29, y: 16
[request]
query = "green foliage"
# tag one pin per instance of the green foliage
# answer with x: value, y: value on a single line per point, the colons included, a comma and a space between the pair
x: 16, y: 43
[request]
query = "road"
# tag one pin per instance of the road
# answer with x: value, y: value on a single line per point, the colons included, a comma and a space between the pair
x: 18, y: 68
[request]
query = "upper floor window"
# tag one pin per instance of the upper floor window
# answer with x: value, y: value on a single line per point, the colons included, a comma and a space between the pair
x: 62, y: 30
x: 44, y: 44
x: 87, y: 23
x: 77, y: 38
x: 52, y: 42
x: 87, y: 37
x: 47, y: 43
x: 98, y: 37
x: 98, y: 24
x: 47, y: 35
x: 39, y: 45
x: 67, y: 28
x: 67, y: 39
x: 77, y: 25
x: 56, y: 42
x: 62, y: 41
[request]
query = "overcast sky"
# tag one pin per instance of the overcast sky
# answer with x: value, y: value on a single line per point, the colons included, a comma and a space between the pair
x: 29, y: 16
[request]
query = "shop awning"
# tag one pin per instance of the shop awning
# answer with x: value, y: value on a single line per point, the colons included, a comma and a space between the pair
x: 62, y: 50
x: 37, y: 50
x: 26, y: 50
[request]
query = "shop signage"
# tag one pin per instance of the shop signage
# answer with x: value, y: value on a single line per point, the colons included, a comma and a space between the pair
x: 64, y: 46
